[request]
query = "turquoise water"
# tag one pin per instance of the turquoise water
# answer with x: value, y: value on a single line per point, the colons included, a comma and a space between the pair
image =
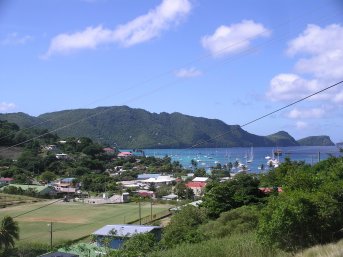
x: 209, y: 157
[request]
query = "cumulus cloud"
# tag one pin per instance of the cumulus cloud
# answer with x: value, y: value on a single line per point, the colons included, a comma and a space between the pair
x: 139, y: 30
x: 188, y: 73
x: 320, y: 60
x: 5, y: 107
x: 234, y: 38
x: 288, y: 86
x: 301, y: 125
x: 323, y: 50
x: 15, y: 39
x: 306, y: 113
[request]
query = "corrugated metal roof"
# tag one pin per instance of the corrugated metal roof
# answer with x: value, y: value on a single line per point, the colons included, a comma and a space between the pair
x: 148, y: 175
x: 123, y: 230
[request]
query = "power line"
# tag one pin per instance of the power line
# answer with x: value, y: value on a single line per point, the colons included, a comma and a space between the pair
x: 268, y: 114
x: 41, y: 207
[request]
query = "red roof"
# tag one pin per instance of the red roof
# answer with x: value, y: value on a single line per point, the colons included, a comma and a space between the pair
x: 108, y: 149
x: 193, y: 184
x: 123, y: 154
x: 6, y: 179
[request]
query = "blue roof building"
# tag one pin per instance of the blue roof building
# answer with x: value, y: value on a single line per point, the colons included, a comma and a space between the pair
x: 147, y: 176
x: 119, y: 233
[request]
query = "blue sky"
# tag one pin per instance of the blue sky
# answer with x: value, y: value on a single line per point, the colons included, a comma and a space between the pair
x: 229, y: 60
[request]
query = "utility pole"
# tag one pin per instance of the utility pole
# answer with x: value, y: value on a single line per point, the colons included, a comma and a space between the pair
x: 151, y: 209
x: 50, y: 225
x: 318, y: 156
x: 140, y: 213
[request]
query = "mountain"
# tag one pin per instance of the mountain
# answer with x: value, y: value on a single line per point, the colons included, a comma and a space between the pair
x: 137, y: 128
x: 282, y: 138
x: 316, y: 141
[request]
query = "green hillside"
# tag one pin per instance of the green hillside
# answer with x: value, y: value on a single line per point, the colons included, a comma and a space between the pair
x: 137, y: 128
x: 316, y: 141
x: 282, y: 138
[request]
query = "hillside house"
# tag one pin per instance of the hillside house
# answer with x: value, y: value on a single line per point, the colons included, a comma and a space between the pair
x: 117, y: 234
x: 197, y: 187
x: 124, y: 154
x: 5, y: 181
x: 66, y: 185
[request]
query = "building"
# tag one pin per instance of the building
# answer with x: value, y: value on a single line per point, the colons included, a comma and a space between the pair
x: 66, y: 185
x: 197, y: 187
x: 200, y: 179
x: 59, y: 254
x: 5, y: 181
x: 117, y: 234
x: 125, y: 154
x: 159, y: 180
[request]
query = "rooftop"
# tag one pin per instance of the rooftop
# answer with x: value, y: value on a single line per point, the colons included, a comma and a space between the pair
x: 122, y: 230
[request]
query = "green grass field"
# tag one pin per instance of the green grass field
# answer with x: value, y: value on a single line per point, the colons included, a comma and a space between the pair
x: 72, y: 220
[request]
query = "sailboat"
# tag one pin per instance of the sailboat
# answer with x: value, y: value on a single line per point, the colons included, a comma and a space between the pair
x: 251, y: 157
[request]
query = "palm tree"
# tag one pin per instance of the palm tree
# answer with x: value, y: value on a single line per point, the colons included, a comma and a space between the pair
x: 9, y: 231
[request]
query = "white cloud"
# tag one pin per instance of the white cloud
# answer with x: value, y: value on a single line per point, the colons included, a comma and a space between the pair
x: 285, y: 87
x: 90, y: 38
x: 15, y: 39
x: 234, y: 38
x: 301, y: 125
x: 139, y: 30
x: 323, y: 51
x: 338, y: 98
x: 4, y: 107
x: 306, y: 113
x: 188, y: 73
x: 321, y: 59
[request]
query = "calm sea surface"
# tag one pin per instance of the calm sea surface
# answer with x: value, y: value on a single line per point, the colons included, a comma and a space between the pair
x: 209, y: 157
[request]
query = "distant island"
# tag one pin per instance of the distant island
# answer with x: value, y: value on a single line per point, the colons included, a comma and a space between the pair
x: 137, y: 128
x: 316, y: 141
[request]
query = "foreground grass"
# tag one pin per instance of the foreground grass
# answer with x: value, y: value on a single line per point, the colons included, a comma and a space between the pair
x: 71, y: 220
x: 328, y: 250
x: 242, y: 245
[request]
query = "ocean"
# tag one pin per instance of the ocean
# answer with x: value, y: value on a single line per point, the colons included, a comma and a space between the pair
x: 210, y: 157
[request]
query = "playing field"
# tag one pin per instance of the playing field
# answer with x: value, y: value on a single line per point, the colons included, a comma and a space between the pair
x: 72, y: 220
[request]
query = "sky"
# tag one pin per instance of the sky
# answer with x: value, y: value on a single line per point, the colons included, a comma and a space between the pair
x: 224, y: 59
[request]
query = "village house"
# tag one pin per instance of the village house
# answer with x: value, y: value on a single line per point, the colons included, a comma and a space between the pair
x: 66, y: 185
x: 197, y: 187
x: 116, y: 235
x: 5, y: 181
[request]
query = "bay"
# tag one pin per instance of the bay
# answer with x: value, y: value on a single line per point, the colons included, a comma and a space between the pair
x: 210, y: 157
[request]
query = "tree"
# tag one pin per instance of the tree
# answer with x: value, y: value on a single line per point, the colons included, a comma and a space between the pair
x: 220, y: 197
x: 48, y: 176
x: 183, y: 192
x: 200, y: 173
x: 297, y: 219
x: 194, y: 164
x: 138, y: 245
x: 183, y: 227
x: 9, y: 231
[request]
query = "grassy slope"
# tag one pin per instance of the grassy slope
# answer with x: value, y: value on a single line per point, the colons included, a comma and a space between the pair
x: 72, y: 220
x: 10, y: 153
x: 242, y: 245
x: 329, y: 250
x: 10, y: 200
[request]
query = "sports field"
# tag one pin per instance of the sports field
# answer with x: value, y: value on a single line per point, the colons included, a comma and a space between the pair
x: 72, y: 220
